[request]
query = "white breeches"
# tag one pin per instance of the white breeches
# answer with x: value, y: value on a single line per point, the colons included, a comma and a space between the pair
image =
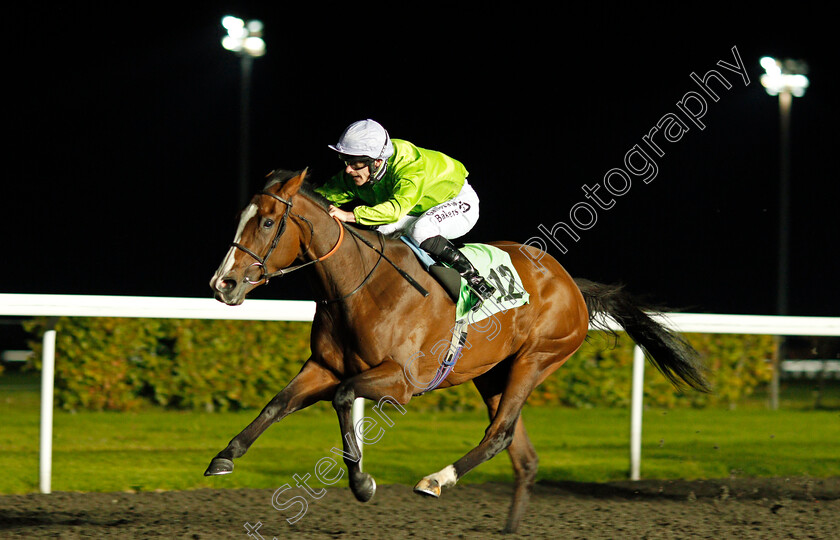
x: 451, y: 219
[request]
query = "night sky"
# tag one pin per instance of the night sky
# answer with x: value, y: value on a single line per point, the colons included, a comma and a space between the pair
x: 121, y: 172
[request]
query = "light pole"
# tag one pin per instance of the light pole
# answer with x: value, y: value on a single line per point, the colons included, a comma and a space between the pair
x: 785, y: 78
x: 245, y: 39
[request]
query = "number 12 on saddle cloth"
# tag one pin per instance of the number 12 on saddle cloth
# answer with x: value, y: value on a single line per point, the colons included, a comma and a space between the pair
x: 496, y: 266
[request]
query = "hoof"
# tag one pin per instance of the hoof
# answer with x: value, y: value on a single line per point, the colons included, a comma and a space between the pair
x: 428, y: 487
x: 365, y: 488
x: 219, y: 466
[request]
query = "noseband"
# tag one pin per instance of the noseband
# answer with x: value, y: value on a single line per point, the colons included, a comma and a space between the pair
x: 260, y: 261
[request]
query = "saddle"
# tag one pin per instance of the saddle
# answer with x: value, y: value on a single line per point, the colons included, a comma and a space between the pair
x: 492, y: 263
x: 449, y: 278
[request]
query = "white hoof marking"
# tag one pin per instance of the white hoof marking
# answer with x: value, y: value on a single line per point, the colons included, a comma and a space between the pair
x: 432, y: 484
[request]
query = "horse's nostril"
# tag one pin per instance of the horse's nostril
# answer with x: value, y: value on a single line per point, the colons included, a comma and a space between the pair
x: 227, y: 284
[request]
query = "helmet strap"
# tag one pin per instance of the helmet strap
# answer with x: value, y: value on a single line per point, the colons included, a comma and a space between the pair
x: 376, y: 176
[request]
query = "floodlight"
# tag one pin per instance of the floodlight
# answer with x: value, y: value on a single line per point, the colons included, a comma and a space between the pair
x: 243, y: 37
x: 782, y: 77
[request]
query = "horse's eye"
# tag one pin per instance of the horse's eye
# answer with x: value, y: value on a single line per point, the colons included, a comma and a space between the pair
x: 269, y: 223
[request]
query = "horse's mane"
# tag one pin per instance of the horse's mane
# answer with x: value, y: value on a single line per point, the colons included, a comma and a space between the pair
x: 280, y: 176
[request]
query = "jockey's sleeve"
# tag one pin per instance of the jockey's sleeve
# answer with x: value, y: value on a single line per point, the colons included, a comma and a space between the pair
x: 404, y: 198
x: 336, y: 191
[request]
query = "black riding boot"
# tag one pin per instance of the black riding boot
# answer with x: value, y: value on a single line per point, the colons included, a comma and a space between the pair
x: 444, y: 251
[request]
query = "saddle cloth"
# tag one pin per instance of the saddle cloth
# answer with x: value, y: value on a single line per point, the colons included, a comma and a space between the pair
x: 496, y: 267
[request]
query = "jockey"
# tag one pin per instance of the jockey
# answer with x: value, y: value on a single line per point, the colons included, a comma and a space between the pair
x: 420, y: 193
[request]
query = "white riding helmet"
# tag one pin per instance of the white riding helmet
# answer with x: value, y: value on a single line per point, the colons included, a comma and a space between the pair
x: 365, y: 138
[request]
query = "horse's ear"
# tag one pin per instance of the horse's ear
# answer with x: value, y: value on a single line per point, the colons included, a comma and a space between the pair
x: 292, y: 186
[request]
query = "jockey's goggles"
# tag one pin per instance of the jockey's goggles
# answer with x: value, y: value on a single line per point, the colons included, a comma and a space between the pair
x: 355, y: 162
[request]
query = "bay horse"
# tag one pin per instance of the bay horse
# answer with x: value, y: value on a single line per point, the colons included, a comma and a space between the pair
x: 372, y: 321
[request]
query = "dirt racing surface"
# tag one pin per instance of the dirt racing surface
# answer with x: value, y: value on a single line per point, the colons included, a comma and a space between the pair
x: 719, y: 509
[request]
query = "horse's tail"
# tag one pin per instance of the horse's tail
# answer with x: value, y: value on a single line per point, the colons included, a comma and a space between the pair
x: 672, y: 355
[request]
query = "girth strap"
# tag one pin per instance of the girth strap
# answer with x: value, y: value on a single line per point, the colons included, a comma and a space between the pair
x: 456, y: 346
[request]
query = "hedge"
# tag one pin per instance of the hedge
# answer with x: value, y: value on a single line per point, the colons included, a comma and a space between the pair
x: 121, y: 364
x: 125, y: 363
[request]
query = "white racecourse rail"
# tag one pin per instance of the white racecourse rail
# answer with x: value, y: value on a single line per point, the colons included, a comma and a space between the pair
x: 293, y: 310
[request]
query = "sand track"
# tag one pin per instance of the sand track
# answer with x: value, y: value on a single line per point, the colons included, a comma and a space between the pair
x: 719, y: 509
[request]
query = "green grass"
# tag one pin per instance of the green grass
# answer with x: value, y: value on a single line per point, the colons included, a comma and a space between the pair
x: 166, y: 450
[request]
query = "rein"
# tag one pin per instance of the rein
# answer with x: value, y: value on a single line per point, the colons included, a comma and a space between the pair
x: 265, y: 276
x: 402, y: 272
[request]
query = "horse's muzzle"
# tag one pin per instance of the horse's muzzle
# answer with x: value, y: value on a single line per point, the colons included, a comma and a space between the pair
x: 228, y: 291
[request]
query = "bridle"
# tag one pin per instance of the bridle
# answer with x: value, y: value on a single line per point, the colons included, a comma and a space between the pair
x: 260, y: 261
x: 265, y: 276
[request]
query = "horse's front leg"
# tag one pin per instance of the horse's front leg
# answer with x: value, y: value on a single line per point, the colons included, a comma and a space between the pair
x: 312, y: 384
x: 384, y: 383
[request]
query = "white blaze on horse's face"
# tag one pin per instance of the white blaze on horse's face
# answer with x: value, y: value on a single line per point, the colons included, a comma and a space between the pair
x: 229, y: 260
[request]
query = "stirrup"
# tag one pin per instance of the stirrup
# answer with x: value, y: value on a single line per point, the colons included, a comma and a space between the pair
x: 480, y: 286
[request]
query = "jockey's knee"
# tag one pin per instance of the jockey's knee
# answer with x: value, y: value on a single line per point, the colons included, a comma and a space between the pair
x: 423, y: 231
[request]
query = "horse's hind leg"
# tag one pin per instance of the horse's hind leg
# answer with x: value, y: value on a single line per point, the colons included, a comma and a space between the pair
x: 522, y: 454
x: 525, y: 373
x: 525, y: 464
